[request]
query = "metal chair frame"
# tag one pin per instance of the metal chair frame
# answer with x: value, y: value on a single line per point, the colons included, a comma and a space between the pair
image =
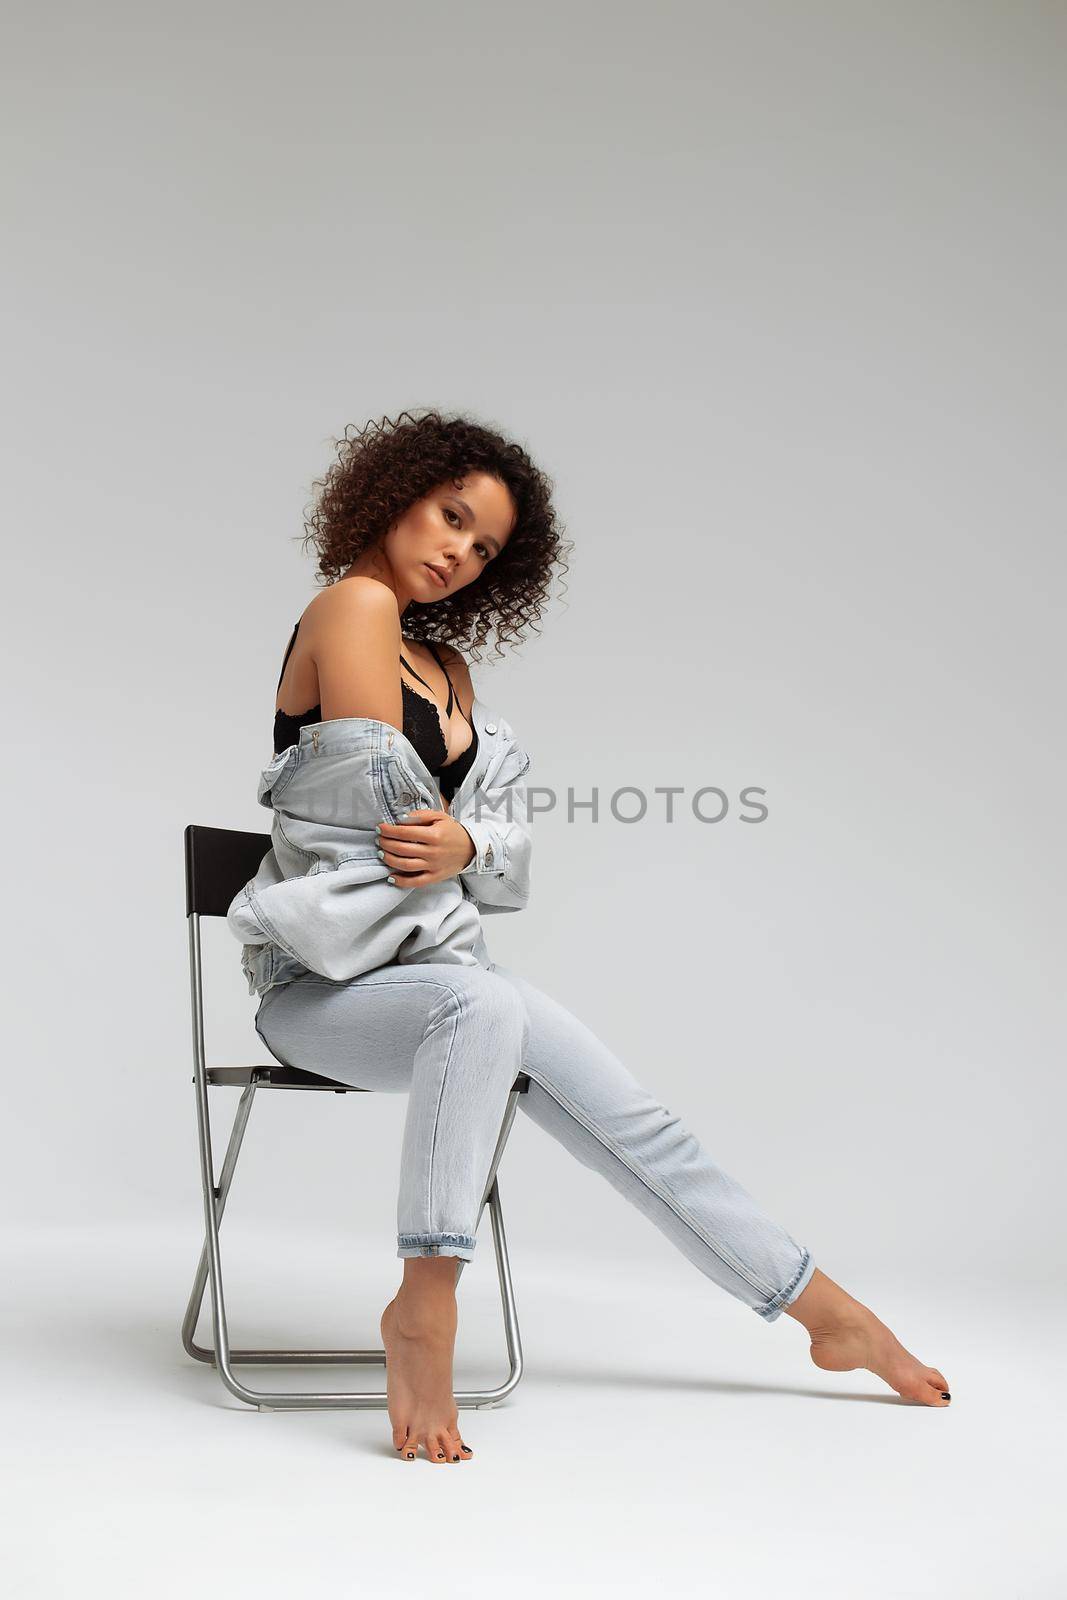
x: 218, y: 861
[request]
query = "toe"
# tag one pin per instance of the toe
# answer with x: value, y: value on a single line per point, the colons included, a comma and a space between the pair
x: 925, y: 1392
x: 938, y: 1381
x: 439, y: 1449
x: 399, y: 1436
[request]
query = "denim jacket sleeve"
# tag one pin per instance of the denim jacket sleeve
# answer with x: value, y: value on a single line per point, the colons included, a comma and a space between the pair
x: 321, y: 899
x: 497, y: 817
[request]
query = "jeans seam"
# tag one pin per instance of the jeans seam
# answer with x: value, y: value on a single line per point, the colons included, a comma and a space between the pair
x: 455, y: 1008
x: 668, y: 1200
x: 317, y: 980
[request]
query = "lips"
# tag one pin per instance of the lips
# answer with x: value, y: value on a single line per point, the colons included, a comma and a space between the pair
x: 439, y: 573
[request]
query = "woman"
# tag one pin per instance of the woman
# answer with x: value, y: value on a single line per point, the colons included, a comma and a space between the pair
x: 432, y: 531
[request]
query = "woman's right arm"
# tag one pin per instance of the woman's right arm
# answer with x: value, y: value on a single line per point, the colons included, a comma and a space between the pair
x: 355, y: 643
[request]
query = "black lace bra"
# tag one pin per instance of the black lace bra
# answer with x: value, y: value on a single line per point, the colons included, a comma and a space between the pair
x: 422, y: 727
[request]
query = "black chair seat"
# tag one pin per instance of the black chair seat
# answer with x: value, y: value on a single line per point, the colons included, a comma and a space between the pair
x: 276, y: 1077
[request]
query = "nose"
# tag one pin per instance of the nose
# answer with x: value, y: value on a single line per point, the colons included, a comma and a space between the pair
x: 456, y: 556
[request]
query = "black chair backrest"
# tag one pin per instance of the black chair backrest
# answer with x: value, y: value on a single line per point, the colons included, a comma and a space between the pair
x: 219, y: 862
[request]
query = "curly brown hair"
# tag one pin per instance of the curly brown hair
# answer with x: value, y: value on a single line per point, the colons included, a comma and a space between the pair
x: 386, y: 466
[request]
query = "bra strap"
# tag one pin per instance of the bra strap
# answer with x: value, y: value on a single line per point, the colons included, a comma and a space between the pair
x: 288, y: 653
x: 414, y: 674
x: 459, y: 702
x: 451, y: 692
x: 452, y: 695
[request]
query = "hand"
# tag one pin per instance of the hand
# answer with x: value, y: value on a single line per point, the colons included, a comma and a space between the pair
x: 429, y: 847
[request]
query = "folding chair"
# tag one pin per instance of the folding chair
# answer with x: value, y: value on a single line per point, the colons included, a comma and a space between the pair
x: 218, y: 862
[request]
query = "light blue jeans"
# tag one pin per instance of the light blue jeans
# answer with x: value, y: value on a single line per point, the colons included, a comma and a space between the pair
x: 454, y: 1038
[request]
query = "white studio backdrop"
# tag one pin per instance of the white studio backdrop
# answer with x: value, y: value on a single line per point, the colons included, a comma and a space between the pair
x: 775, y: 296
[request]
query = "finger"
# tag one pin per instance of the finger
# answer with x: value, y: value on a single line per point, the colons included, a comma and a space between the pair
x: 419, y: 818
x: 403, y: 830
x: 397, y: 830
x: 406, y: 874
x: 405, y: 866
x: 405, y: 848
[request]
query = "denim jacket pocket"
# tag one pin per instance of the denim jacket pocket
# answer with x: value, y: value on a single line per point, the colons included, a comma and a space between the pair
x: 401, y: 789
x: 277, y: 775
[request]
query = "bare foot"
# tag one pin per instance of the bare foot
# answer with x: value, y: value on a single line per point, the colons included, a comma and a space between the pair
x: 419, y: 1342
x: 846, y: 1335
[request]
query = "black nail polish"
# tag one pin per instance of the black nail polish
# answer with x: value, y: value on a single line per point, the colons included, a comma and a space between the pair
x: 411, y: 1455
x: 455, y: 1458
x: 945, y: 1396
x: 441, y: 1455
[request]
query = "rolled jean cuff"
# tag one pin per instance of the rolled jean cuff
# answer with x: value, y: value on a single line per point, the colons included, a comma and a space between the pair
x: 771, y: 1310
x: 436, y: 1244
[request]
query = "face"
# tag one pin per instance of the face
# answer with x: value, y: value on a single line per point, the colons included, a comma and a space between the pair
x: 459, y: 529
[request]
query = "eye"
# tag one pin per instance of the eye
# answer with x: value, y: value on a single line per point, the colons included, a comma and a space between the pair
x: 486, y: 555
x: 450, y: 513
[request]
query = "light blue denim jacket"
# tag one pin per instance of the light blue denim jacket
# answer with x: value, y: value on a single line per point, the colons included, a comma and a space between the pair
x: 321, y: 901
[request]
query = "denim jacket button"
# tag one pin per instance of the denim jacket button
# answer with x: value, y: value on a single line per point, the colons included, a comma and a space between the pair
x: 490, y: 727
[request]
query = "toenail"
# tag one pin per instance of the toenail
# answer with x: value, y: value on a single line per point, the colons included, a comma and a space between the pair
x: 946, y: 1396
x: 441, y: 1455
x: 411, y: 1455
x: 455, y: 1458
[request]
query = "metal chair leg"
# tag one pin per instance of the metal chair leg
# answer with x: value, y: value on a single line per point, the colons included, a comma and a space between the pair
x: 196, y: 1298
x: 210, y: 1269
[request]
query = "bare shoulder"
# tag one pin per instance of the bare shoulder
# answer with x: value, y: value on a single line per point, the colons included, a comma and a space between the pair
x: 350, y: 603
x: 366, y: 596
x: 354, y: 643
